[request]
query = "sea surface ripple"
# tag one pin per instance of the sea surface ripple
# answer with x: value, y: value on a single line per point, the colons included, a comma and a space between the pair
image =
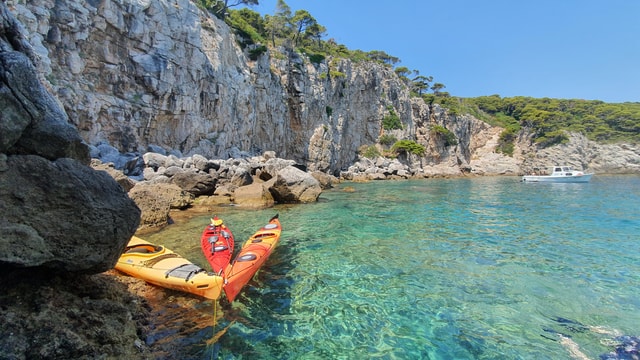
x: 478, y: 268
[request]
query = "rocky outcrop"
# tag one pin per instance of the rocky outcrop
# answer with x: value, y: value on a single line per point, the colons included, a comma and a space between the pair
x: 169, y: 182
x: 32, y: 121
x: 119, y: 69
x: 294, y: 185
x: 71, y: 316
x: 56, y: 211
x: 60, y: 223
x: 582, y: 153
x: 156, y: 201
x: 254, y: 196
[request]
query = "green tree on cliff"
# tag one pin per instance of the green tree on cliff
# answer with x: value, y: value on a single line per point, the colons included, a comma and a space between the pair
x: 403, y: 73
x: 548, y: 119
x: 221, y: 7
x: 276, y: 25
x: 316, y: 32
x: 420, y: 83
x: 302, y: 21
x: 382, y: 57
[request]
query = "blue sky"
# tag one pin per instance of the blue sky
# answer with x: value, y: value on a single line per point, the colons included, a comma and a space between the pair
x: 569, y: 49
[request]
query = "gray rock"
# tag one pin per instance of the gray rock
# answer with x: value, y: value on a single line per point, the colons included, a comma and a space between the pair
x: 293, y: 185
x: 156, y: 149
x: 56, y: 211
x: 197, y: 184
x: 173, y: 170
x: 62, y: 215
x: 154, y: 160
x: 325, y: 180
x: 253, y: 196
x: 201, y: 163
x: 241, y: 177
x: 32, y: 121
x: 156, y: 200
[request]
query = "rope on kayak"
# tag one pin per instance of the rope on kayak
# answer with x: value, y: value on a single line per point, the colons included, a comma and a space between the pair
x: 214, y: 343
x: 214, y: 352
x: 157, y: 259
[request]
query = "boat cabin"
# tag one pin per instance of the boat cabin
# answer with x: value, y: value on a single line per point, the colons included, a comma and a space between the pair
x: 564, y: 171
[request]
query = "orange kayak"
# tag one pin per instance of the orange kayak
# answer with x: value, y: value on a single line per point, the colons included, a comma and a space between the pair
x: 217, y: 246
x: 162, y: 267
x: 251, y: 257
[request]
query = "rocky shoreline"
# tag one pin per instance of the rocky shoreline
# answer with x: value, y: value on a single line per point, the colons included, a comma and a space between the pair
x: 160, y: 181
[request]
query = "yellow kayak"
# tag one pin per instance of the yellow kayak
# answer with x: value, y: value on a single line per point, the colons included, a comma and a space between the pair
x: 162, y: 267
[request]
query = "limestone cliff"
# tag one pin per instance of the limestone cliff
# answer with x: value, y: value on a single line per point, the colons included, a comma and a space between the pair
x: 163, y: 72
x: 134, y: 73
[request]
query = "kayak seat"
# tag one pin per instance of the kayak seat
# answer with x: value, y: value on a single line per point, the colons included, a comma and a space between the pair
x: 185, y: 271
x: 247, y: 257
x: 266, y: 234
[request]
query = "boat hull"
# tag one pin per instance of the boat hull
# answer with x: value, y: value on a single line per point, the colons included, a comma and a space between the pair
x: 160, y: 266
x: 558, y: 179
x: 217, y: 246
x: 253, y: 254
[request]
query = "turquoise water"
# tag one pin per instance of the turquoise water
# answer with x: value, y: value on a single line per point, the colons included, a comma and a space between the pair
x: 433, y: 269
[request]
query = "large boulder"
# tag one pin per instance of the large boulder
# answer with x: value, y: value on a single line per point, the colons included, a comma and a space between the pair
x: 241, y: 177
x: 293, y: 185
x: 156, y: 201
x: 196, y: 183
x: 326, y: 181
x: 154, y: 160
x: 60, y: 223
x: 62, y: 215
x: 254, y: 196
x: 71, y: 316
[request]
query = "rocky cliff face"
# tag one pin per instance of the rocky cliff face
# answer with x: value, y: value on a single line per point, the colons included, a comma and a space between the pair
x: 162, y: 72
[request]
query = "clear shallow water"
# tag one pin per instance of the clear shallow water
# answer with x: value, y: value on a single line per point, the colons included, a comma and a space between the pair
x: 433, y: 269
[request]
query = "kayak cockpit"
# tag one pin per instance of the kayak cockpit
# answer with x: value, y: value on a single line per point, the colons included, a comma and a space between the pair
x: 143, y: 249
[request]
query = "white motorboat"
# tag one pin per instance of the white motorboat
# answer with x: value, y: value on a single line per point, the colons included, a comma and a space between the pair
x: 559, y: 174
